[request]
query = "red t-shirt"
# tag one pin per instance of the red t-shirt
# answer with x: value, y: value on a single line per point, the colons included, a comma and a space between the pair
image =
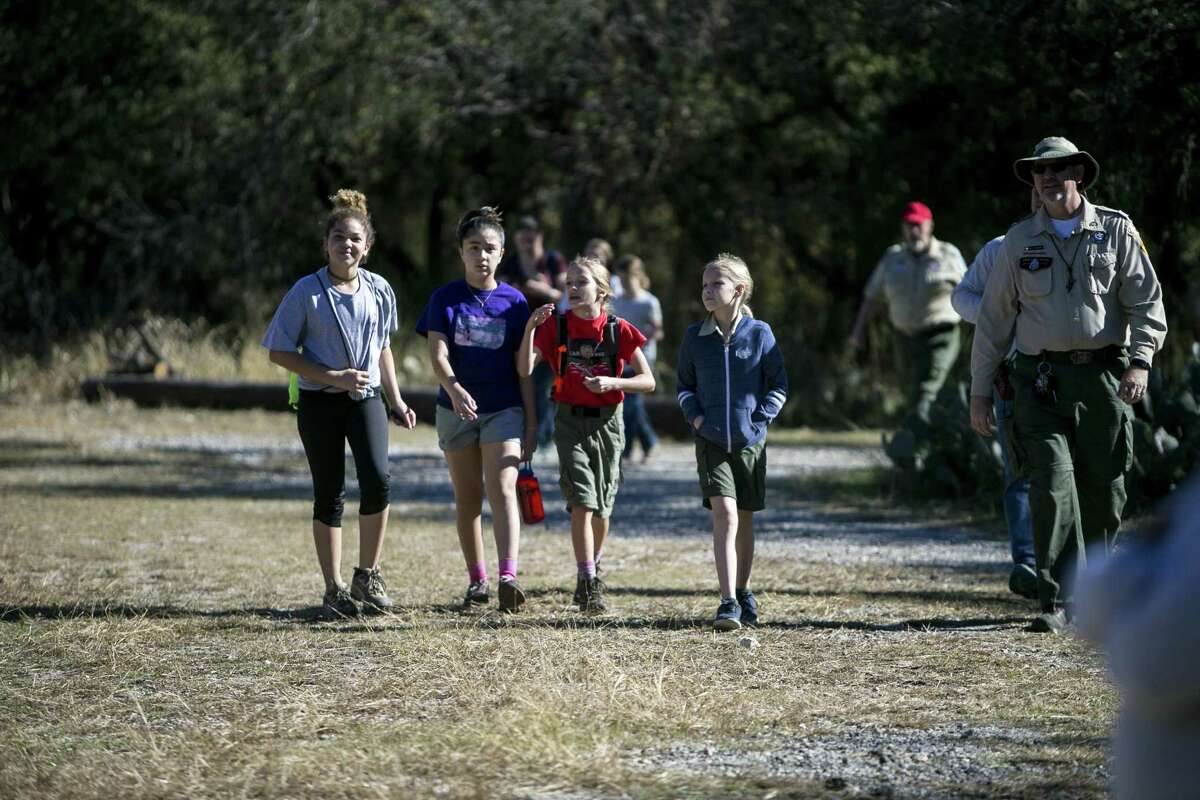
x: 586, y: 356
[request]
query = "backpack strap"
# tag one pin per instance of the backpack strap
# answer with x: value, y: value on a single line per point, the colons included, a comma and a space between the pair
x: 610, y: 344
x: 562, y: 352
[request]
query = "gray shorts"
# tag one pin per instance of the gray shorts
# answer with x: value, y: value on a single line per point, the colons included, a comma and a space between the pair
x: 741, y: 474
x: 498, y: 426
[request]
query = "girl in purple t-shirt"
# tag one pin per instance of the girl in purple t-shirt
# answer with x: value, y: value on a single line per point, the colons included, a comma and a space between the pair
x: 486, y: 423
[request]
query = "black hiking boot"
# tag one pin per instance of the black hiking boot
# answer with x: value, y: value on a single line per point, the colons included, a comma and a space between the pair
x: 338, y: 604
x: 512, y: 596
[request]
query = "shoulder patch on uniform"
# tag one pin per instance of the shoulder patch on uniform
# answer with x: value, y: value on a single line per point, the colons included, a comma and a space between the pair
x: 1114, y: 211
x: 1035, y: 263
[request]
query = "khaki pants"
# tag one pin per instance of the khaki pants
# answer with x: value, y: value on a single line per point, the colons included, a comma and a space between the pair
x: 930, y: 356
x: 1076, y: 449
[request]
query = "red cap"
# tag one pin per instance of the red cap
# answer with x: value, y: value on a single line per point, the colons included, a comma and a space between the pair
x: 916, y: 212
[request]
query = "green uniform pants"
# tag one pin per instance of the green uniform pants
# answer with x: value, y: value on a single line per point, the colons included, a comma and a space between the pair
x: 1076, y: 448
x: 930, y: 356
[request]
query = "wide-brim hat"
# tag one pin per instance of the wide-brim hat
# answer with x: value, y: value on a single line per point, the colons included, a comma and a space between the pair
x: 1056, y: 148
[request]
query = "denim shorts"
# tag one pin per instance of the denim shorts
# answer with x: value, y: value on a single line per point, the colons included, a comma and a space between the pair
x: 499, y: 426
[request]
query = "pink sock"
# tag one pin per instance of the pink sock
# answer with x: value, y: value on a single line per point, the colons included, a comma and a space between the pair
x: 478, y: 572
x: 508, y: 569
x: 587, y: 568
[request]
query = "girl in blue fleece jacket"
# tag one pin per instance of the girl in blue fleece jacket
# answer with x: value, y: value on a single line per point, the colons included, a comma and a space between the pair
x: 732, y: 383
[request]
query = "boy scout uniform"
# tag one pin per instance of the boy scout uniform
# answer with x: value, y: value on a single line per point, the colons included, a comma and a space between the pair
x: 1080, y: 310
x: 918, y: 289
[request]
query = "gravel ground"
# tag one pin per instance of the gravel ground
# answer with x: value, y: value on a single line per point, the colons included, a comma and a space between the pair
x: 658, y: 499
x: 867, y: 761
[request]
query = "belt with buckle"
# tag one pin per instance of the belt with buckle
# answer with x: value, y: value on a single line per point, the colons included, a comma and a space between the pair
x: 1077, y: 357
x: 590, y: 411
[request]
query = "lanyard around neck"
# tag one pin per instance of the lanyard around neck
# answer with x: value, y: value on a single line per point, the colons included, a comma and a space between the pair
x: 338, y: 320
x: 1054, y: 237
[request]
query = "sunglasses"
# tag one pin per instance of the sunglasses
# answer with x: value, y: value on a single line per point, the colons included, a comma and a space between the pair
x: 1051, y: 166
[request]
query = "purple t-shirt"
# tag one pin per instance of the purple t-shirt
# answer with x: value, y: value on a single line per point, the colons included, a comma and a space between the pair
x: 483, y: 330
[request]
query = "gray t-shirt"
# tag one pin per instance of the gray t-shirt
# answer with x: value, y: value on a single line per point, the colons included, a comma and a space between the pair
x: 305, y: 320
x: 642, y: 312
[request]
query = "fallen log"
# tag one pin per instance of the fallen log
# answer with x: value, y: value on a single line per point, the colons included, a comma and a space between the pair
x: 146, y: 390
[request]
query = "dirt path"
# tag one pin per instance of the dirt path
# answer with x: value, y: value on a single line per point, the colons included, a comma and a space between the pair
x: 659, y: 499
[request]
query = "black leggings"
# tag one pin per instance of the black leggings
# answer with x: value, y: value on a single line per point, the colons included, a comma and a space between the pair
x: 327, y: 421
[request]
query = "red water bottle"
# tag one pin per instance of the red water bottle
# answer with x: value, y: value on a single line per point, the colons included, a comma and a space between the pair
x: 529, y: 495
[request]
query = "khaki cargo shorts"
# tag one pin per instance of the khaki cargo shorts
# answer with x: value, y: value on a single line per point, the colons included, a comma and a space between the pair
x: 741, y: 474
x: 589, y: 442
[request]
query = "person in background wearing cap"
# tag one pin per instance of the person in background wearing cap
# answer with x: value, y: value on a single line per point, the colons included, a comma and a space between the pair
x: 1074, y: 285
x: 967, y: 297
x: 916, y: 278
x: 540, y: 275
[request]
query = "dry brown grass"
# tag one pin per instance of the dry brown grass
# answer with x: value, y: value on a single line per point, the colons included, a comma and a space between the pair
x: 156, y: 642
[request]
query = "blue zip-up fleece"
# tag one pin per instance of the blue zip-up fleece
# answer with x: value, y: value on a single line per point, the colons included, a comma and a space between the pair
x: 739, y: 387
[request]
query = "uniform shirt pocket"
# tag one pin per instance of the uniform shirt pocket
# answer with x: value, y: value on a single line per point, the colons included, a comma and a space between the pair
x: 1036, y: 283
x: 1103, y: 271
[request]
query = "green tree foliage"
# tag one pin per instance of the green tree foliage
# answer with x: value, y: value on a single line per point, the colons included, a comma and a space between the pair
x: 175, y: 155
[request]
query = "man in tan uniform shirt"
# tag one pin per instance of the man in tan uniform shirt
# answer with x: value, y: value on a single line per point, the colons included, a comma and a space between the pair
x: 916, y: 278
x: 1075, y: 287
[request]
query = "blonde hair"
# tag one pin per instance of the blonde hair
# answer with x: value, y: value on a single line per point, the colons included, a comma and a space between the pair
x: 736, y: 270
x: 350, y: 204
x: 635, y: 268
x: 601, y: 250
x: 599, y: 275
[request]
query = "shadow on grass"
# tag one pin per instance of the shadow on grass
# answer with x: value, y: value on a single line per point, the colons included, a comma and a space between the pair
x: 125, y: 611
x: 486, y: 619
x: 704, y: 624
x: 198, y: 473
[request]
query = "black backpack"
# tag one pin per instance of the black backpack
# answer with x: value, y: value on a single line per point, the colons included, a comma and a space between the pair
x: 609, y: 342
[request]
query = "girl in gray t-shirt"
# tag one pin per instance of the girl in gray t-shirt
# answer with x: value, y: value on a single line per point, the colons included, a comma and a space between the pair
x: 334, y: 329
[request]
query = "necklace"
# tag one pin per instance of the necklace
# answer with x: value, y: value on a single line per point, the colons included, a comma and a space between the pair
x: 483, y: 302
x: 335, y: 278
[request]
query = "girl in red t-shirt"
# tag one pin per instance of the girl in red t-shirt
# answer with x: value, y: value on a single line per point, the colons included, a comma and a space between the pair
x: 589, y: 434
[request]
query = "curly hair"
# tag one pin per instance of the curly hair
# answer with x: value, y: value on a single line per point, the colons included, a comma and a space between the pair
x: 349, y: 204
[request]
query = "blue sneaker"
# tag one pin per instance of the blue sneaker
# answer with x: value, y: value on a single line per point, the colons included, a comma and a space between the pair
x: 729, y: 616
x: 749, y: 605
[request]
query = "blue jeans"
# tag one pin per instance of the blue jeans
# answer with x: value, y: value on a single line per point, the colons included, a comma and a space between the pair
x: 543, y: 382
x: 1016, y: 492
x: 637, y: 424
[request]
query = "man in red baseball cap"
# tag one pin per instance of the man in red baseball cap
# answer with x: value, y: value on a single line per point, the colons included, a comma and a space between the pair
x: 916, y: 278
x: 917, y: 212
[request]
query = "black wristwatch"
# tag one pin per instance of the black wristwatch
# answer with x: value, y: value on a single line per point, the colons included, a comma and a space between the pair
x: 1140, y: 363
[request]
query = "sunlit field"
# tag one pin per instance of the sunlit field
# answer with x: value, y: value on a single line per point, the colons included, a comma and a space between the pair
x: 159, y: 637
